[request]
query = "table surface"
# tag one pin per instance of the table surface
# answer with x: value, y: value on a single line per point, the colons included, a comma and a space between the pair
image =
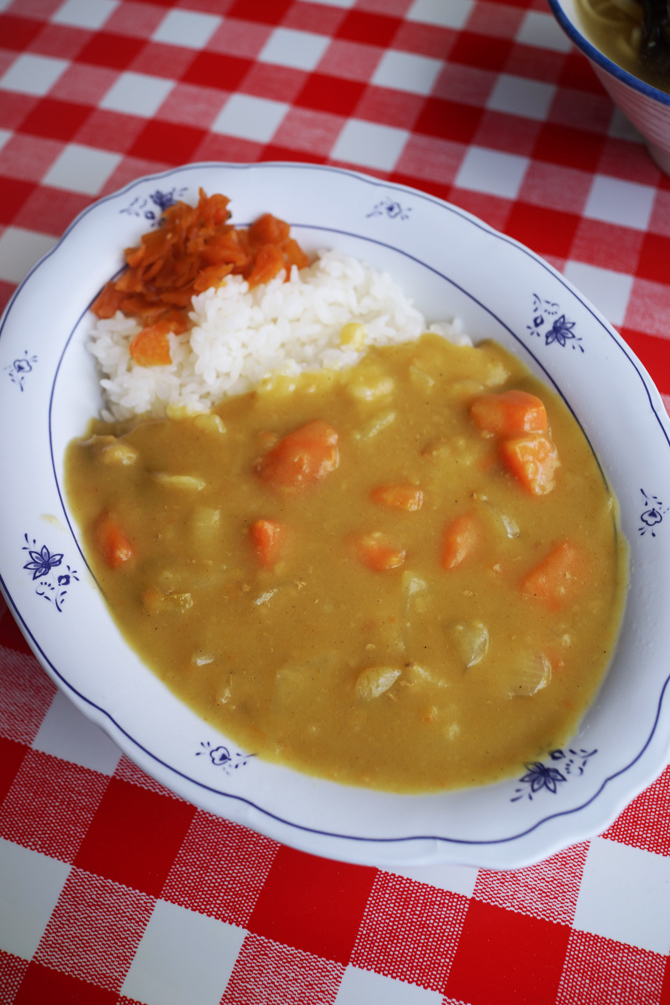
x: 111, y: 889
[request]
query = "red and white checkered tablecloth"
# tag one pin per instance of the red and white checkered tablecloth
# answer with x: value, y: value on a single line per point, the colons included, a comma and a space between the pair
x: 114, y: 891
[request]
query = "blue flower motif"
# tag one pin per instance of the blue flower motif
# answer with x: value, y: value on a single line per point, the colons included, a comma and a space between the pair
x: 42, y: 562
x: 653, y: 513
x: 541, y: 777
x: 651, y: 517
x: 219, y: 756
x: 561, y: 331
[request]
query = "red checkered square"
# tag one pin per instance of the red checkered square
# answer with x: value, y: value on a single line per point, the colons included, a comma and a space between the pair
x: 496, y: 19
x: 11, y: 758
x: 94, y: 930
x: 239, y: 38
x: 645, y: 823
x: 654, y: 353
x: 574, y: 148
x: 314, y: 132
x: 12, y: 970
x: 467, y: 85
x: 312, y: 903
x: 44, y: 986
x: 509, y: 133
x: 14, y: 107
x: 507, y: 958
x: 350, y: 60
x: 134, y: 836
x: 325, y: 93
x: 398, y: 109
x: 576, y: 72
x: 213, y: 70
x: 139, y: 20
x: 159, y: 60
x: 373, y: 29
x: 6, y: 289
x: 425, y: 39
x: 50, y: 805
x: 279, y: 83
x: 170, y: 143
x: 17, y: 32
x: 57, y: 120
x: 269, y: 974
x: 591, y: 112
x: 109, y: 130
x: 534, y: 64
x: 607, y: 245
x: 187, y: 104
x: 430, y: 160
x: 410, y: 931
x: 25, y: 695
x: 660, y: 213
x: 317, y: 18
x: 480, y: 50
x: 654, y: 258
x: 562, y: 188
x: 28, y: 157
x: 220, y: 869
x: 107, y: 49
x: 129, y: 169
x: 546, y: 231
x: 17, y: 192
x: 629, y: 161
x: 83, y: 78
x: 547, y: 890
x: 58, y: 40
x: 264, y: 11
x: 448, y: 120
x: 600, y: 970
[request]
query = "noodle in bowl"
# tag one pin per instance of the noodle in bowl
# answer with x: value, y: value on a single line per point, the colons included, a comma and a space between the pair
x: 645, y: 105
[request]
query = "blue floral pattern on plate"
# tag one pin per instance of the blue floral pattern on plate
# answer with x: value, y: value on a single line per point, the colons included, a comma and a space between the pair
x: 652, y: 514
x: 153, y: 206
x: 542, y: 776
x: 20, y: 368
x: 50, y: 584
x: 221, y: 757
x: 391, y: 208
x: 552, y: 325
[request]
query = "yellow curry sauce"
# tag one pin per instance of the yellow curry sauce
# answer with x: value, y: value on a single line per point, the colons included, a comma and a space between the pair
x: 410, y: 615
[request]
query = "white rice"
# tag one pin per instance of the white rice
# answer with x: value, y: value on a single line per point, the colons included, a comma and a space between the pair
x: 240, y: 336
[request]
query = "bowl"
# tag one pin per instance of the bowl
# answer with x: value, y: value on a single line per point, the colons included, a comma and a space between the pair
x: 645, y: 106
x: 451, y: 264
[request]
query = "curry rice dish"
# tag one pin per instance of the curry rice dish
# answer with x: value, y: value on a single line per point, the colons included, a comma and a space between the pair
x: 406, y: 574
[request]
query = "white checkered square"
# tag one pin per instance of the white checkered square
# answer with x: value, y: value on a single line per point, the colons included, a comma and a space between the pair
x: 250, y: 118
x: 369, y: 144
x: 67, y: 733
x: 301, y: 50
x: 82, y: 169
x: 5, y: 135
x: 542, y: 30
x: 183, y: 957
x: 404, y: 71
x: 445, y: 13
x: 19, y: 250
x: 624, y: 203
x: 137, y: 94
x: 187, y: 28
x: 31, y: 74
x: 492, y: 172
x: 624, y: 896
x: 30, y: 885
x: 621, y: 128
x: 90, y: 14
x: 519, y: 96
x: 362, y: 987
x: 609, y: 291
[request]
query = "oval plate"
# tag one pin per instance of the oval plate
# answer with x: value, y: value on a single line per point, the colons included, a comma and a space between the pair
x: 451, y: 264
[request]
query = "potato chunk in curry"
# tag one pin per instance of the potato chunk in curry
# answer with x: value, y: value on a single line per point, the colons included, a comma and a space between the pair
x: 407, y: 575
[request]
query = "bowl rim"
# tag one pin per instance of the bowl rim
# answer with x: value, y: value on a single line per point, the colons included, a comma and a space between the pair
x: 603, y: 61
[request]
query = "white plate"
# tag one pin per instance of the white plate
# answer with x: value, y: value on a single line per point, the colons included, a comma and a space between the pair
x: 452, y: 264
